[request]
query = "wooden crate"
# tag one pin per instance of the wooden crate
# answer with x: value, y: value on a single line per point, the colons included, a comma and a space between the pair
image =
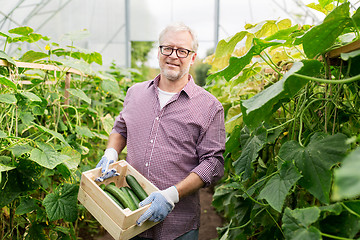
x: 120, y: 223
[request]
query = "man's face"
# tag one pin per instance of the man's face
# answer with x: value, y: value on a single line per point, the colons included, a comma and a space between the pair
x: 172, y: 67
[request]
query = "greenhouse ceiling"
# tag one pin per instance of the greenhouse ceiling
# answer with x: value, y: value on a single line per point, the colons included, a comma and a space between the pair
x: 111, y: 25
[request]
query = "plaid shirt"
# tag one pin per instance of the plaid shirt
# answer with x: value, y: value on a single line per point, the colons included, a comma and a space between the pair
x: 165, y: 145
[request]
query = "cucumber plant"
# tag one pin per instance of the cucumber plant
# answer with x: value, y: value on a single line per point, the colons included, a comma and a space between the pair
x: 45, y: 141
x: 292, y: 117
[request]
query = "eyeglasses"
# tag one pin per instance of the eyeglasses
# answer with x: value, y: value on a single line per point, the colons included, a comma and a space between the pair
x: 180, y: 52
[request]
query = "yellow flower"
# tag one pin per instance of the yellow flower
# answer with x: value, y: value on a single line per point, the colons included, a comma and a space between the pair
x: 47, y: 47
x: 286, y: 133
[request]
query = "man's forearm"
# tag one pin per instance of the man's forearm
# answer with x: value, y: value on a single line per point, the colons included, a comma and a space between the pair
x: 116, y: 141
x: 189, y: 185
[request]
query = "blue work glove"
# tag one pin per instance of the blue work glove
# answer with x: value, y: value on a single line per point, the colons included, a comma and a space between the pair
x: 109, y: 157
x: 162, y: 203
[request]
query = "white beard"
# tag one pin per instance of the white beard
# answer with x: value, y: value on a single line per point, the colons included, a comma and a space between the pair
x: 175, y: 75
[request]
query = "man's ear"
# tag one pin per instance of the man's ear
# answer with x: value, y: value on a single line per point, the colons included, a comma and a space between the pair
x: 193, y: 57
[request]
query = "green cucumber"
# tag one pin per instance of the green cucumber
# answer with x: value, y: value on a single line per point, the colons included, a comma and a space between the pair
x: 114, y: 199
x: 133, y: 196
x: 128, y: 195
x: 135, y: 186
x: 102, y: 186
x: 121, y: 196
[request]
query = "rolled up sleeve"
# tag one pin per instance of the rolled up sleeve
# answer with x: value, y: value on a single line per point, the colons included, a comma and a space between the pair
x: 210, y: 148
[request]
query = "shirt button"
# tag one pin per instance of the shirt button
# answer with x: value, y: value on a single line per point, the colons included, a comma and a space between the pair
x: 151, y: 141
x: 146, y: 164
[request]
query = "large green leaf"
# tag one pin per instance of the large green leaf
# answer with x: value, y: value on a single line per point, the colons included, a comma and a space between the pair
x: 18, y: 149
x: 80, y: 94
x: 4, y: 168
x: 111, y: 86
x: 296, y: 223
x: 84, y: 131
x: 252, y: 143
x: 26, y: 205
x: 107, y: 123
x: 47, y: 156
x: 315, y: 161
x: 3, y: 55
x: 324, y: 3
x: 8, y: 98
x: 323, y: 36
x: 62, y: 204
x: 21, y: 179
x: 26, y: 118
x: 3, y: 134
x: 356, y: 17
x: 53, y: 133
x: 75, y: 157
x: 5, y: 81
x: 77, y: 64
x: 32, y: 56
x: 24, y: 31
x: 347, y: 177
x: 277, y: 188
x: 225, y: 48
x: 262, y: 105
x: 31, y: 96
x: 236, y: 64
x: 283, y: 34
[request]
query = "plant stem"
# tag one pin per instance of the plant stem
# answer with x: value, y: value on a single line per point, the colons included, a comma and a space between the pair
x: 350, y: 210
x: 279, y: 126
x: 271, y: 65
x: 335, y: 237
x: 322, y: 80
x: 255, y: 201
x: 264, y: 179
x: 277, y: 224
x: 72, y: 231
x: 248, y: 222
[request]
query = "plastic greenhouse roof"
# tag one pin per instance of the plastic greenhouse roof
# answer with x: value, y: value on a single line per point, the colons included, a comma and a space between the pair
x: 112, y: 24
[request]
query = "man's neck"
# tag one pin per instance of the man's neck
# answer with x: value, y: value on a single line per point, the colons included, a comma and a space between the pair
x: 173, y: 86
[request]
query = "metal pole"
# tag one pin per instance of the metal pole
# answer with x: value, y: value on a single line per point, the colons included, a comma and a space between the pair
x: 127, y: 34
x: 216, y: 23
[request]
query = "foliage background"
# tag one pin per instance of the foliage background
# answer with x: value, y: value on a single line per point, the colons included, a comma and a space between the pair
x: 292, y: 114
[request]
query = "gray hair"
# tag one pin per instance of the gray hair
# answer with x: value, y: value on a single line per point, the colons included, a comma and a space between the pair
x: 177, y: 27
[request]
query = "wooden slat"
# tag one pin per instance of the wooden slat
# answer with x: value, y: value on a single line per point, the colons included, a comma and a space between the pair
x: 344, y: 49
x: 99, y: 214
x: 105, y: 220
x: 67, y: 86
x: 42, y: 67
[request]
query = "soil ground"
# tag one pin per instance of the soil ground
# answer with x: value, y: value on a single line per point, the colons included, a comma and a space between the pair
x: 209, y: 221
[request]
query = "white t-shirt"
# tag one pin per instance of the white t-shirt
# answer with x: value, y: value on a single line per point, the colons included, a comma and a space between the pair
x: 164, y: 97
